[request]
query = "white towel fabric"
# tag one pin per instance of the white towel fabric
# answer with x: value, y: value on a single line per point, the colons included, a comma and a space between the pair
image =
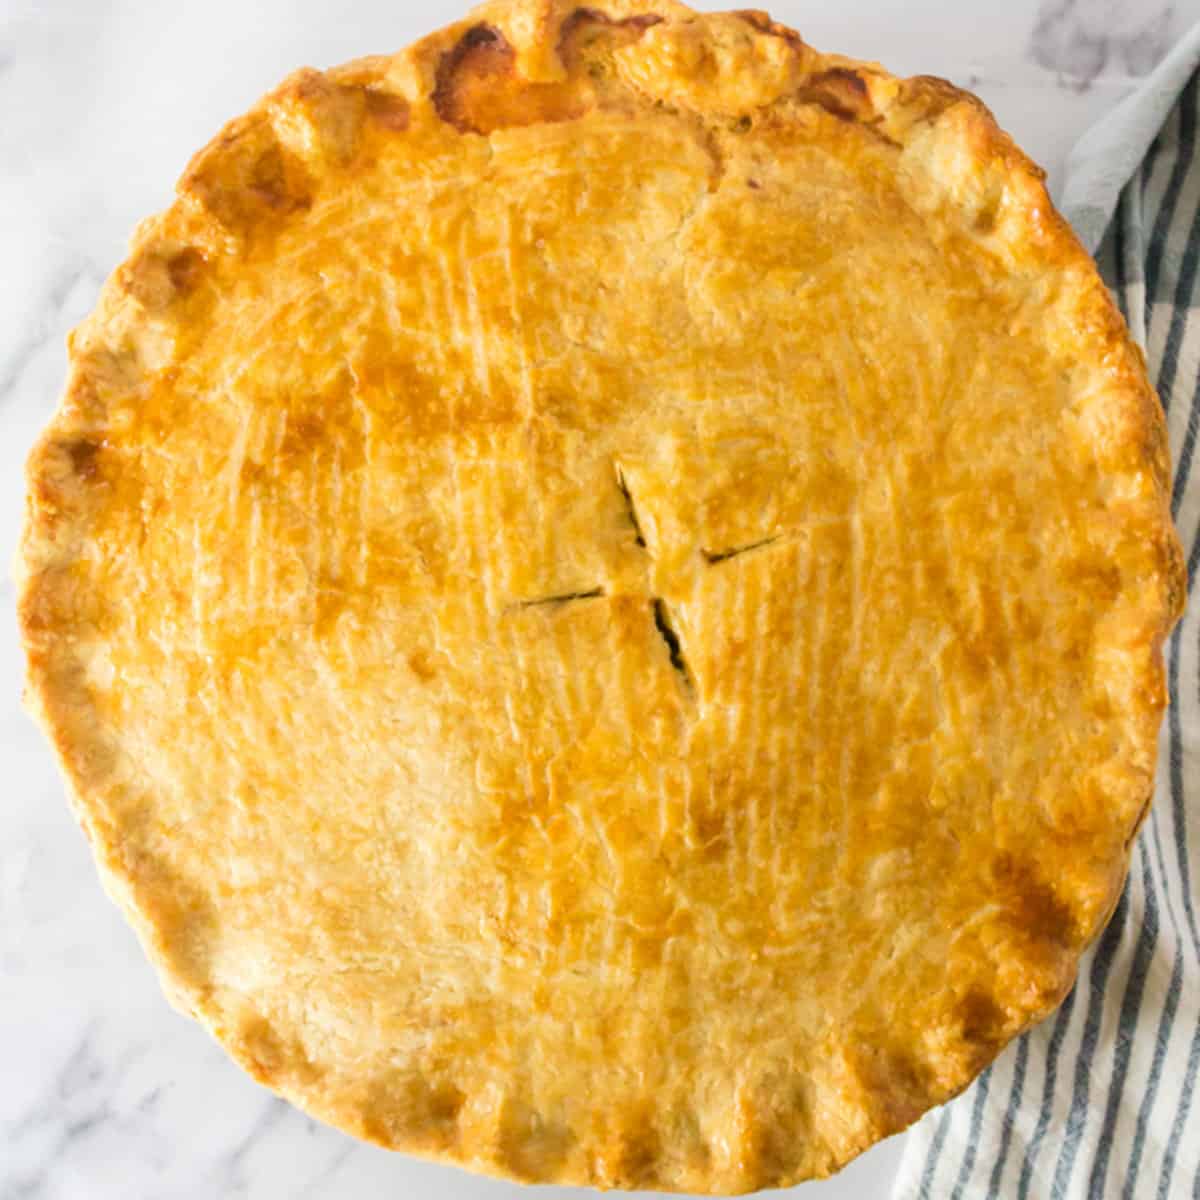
x: 1099, y: 1102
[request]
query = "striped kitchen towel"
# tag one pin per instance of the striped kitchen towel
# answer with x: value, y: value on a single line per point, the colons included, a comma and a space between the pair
x: 1101, y: 1101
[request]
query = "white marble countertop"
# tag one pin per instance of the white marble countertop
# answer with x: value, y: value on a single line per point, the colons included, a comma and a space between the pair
x: 104, y: 1091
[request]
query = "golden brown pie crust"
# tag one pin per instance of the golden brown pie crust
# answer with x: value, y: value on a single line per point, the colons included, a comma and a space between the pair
x: 599, y: 586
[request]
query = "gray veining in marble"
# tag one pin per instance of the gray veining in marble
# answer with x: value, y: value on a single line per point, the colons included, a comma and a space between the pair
x: 1080, y: 39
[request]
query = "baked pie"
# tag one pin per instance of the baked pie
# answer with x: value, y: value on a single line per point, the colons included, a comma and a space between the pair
x: 598, y: 583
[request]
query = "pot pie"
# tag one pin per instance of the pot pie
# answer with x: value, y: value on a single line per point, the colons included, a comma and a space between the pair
x: 598, y: 584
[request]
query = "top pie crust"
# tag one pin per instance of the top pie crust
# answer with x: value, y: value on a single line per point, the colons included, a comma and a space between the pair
x: 599, y: 585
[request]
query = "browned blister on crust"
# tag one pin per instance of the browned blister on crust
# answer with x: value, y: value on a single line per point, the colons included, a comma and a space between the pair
x: 599, y: 586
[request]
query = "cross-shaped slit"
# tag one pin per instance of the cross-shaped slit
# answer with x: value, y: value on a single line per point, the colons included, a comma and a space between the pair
x: 660, y: 614
x: 664, y: 623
